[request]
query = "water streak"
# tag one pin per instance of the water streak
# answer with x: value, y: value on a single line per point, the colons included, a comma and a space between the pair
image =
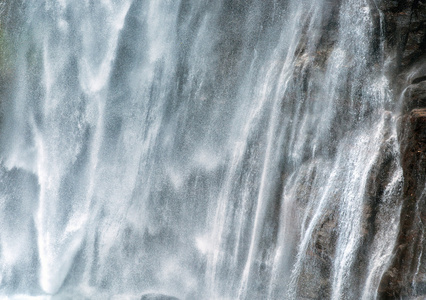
x: 196, y: 149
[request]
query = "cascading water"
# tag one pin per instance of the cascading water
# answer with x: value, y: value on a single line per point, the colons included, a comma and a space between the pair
x: 198, y: 149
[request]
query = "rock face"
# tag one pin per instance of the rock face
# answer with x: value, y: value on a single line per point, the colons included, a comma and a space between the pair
x: 403, y: 24
x: 405, y: 32
x: 414, y: 96
x: 406, y: 277
x: 405, y: 48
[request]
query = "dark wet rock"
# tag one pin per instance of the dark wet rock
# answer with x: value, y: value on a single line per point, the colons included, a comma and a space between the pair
x: 317, y: 285
x: 325, y: 240
x: 154, y: 296
x: 381, y: 172
x: 405, y: 32
x: 405, y: 51
x: 415, y: 96
x: 405, y: 47
x: 404, y: 27
x: 406, y: 275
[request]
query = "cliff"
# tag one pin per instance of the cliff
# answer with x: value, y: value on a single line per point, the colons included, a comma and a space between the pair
x: 399, y: 33
x: 405, y: 47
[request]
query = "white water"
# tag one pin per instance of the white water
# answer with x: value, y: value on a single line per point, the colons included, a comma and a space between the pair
x: 195, y: 149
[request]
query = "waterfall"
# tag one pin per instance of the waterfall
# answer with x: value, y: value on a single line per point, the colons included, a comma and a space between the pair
x: 197, y: 149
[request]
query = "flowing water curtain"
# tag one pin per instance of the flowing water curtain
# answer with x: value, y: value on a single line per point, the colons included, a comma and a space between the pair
x: 56, y: 112
x: 195, y: 148
x: 311, y: 126
x: 346, y: 195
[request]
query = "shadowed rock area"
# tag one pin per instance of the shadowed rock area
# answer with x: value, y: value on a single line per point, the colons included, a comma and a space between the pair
x: 154, y: 296
x: 405, y: 45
